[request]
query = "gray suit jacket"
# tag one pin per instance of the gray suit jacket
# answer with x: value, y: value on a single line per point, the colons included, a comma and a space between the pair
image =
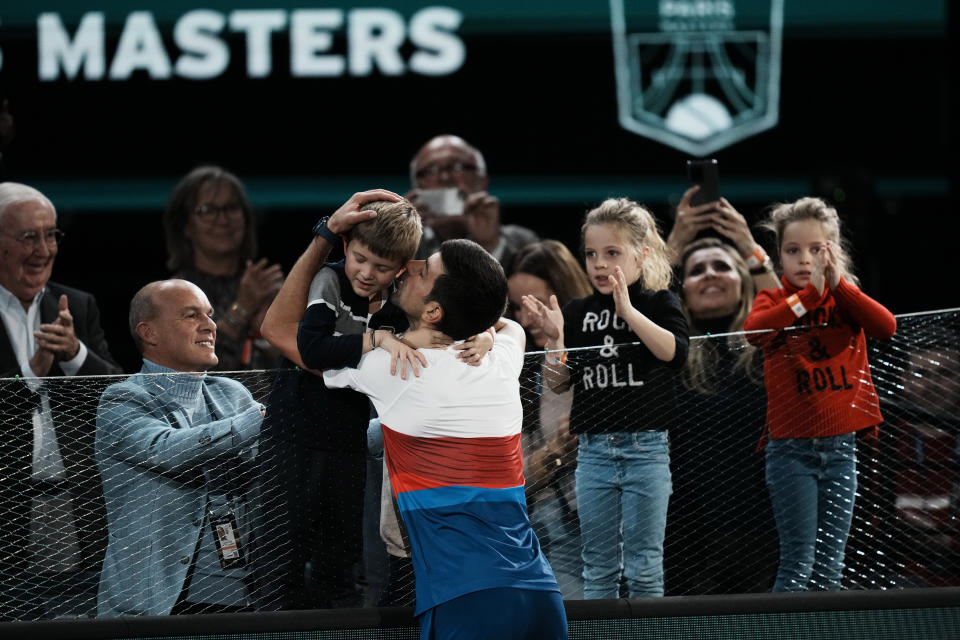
x: 151, y: 465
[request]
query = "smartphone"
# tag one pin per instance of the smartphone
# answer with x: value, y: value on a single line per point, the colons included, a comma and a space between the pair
x: 445, y: 201
x: 705, y: 174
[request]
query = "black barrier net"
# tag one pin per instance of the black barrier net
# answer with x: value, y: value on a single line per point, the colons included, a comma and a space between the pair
x: 295, y: 509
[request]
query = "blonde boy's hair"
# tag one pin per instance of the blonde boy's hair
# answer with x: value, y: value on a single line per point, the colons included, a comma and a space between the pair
x: 638, y: 228
x: 394, y: 234
x: 813, y: 209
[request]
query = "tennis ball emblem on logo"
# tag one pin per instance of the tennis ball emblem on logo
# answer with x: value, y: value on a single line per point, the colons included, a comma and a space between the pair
x: 697, y: 75
x: 698, y: 116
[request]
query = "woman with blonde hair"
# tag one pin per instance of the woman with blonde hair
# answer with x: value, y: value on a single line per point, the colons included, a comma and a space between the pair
x: 717, y: 473
x: 717, y: 293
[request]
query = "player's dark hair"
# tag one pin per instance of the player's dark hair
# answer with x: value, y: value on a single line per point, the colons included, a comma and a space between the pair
x: 472, y: 290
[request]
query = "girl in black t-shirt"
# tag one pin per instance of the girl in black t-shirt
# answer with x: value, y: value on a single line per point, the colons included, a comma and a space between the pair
x: 622, y: 395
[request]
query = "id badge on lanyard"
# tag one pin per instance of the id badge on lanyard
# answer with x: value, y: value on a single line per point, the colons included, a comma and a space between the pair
x: 226, y: 536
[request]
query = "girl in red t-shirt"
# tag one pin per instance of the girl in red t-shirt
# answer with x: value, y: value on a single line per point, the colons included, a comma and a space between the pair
x: 819, y: 390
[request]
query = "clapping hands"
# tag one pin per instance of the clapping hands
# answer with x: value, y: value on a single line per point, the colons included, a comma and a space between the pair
x: 55, y: 339
x: 621, y: 295
x: 824, y: 270
x: 549, y: 319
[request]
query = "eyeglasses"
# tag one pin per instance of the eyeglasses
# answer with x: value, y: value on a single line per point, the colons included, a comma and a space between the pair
x: 231, y: 211
x: 32, y: 239
x: 453, y: 168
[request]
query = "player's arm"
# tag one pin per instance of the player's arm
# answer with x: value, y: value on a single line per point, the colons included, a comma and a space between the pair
x: 286, y: 311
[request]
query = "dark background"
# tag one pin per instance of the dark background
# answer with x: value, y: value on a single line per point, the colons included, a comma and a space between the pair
x: 866, y: 120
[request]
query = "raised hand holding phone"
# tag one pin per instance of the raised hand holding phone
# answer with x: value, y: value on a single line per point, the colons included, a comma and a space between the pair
x: 689, y: 222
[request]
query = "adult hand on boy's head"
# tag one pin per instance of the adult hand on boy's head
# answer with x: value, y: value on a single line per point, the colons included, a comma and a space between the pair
x: 352, y: 211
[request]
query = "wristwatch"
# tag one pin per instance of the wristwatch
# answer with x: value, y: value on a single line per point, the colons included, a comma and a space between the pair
x: 321, y: 229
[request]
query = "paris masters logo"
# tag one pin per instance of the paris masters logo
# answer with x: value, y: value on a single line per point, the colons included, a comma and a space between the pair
x: 697, y: 75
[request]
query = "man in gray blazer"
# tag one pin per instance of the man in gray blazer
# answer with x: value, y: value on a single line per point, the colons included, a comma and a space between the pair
x: 175, y: 448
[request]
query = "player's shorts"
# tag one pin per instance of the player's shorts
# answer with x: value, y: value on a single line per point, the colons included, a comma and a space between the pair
x: 504, y: 613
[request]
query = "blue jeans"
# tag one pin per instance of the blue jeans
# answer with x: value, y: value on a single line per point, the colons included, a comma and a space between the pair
x: 623, y: 487
x: 812, y: 484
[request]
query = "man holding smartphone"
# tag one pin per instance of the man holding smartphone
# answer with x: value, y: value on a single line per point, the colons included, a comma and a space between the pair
x: 449, y: 188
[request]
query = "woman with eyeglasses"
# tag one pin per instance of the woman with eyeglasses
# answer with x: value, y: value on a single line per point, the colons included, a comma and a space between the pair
x: 212, y: 242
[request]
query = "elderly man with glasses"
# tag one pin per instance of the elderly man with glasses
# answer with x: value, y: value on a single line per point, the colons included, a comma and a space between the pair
x: 51, y: 512
x: 450, y: 181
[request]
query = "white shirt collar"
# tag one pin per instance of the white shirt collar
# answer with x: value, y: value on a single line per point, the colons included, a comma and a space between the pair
x: 10, y: 302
